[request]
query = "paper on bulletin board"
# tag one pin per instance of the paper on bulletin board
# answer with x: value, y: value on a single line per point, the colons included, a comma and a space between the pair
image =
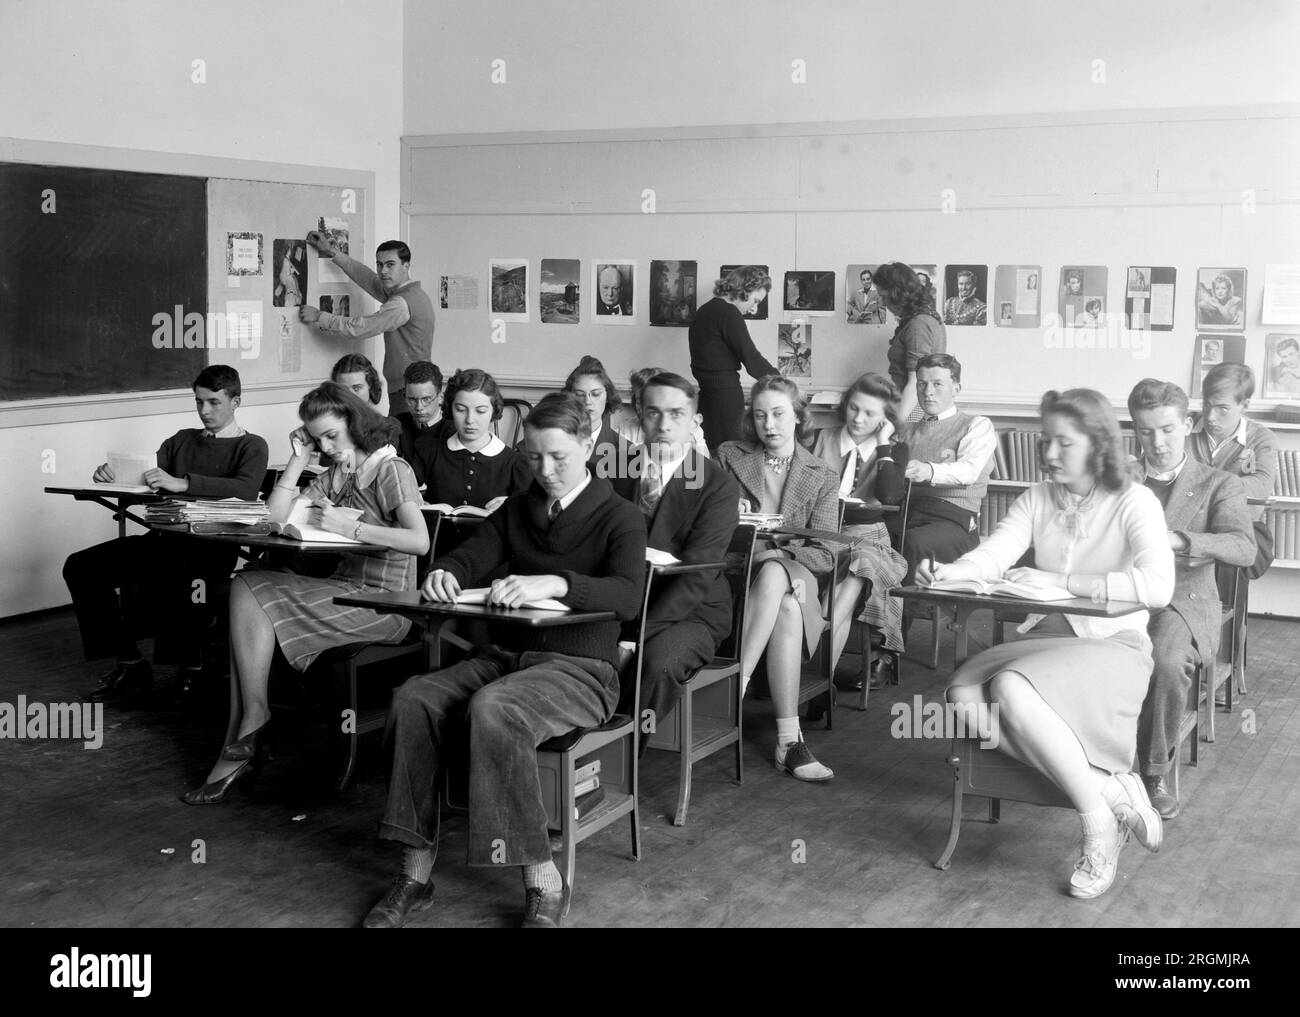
x: 244, y: 326
x: 336, y: 228
x: 289, y: 332
x: 243, y: 254
x: 1281, y: 295
x: 459, y: 293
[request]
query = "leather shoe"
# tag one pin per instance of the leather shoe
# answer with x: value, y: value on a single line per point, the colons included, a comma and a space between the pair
x: 882, y: 673
x: 543, y: 909
x: 405, y: 897
x: 1162, y: 799
x: 122, y: 681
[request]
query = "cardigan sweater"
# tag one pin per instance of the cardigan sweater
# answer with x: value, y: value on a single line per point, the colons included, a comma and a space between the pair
x: 597, y: 545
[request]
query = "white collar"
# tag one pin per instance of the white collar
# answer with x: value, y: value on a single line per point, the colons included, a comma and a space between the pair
x: 666, y: 469
x: 866, y: 449
x: 494, y: 447
x: 572, y: 496
x: 1239, y: 435
x: 1168, y: 477
x: 231, y: 430
x: 951, y: 411
x: 370, y: 467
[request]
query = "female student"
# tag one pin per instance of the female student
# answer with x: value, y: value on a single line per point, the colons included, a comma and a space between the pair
x: 720, y: 344
x: 783, y: 618
x: 472, y: 466
x: 627, y: 420
x: 357, y: 374
x: 270, y: 607
x: 869, y: 462
x: 595, y: 390
x: 1068, y: 695
x: 920, y: 331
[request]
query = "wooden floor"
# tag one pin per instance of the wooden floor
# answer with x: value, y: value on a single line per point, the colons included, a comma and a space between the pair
x: 98, y: 838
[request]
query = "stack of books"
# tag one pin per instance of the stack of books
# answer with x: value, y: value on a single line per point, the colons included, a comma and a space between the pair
x: 232, y: 515
x: 587, y: 790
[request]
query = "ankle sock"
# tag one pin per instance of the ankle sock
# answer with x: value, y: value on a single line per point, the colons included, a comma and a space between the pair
x: 417, y: 864
x: 1113, y: 793
x: 787, y: 730
x: 1100, y: 829
x: 545, y: 876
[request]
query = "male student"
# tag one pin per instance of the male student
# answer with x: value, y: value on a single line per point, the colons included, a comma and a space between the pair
x: 568, y: 537
x: 1225, y: 439
x: 1207, y: 516
x: 423, y: 425
x: 405, y: 316
x: 218, y: 460
x: 691, y: 511
x: 951, y: 459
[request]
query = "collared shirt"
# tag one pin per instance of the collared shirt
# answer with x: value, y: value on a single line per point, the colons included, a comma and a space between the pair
x: 1164, y: 478
x: 1239, y: 435
x: 231, y: 430
x: 424, y: 427
x: 366, y: 475
x: 494, y: 447
x: 666, y: 469
x: 866, y: 452
x: 973, y: 451
x: 572, y: 496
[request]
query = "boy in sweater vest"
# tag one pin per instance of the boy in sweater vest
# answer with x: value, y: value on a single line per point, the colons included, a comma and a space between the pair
x: 219, y: 460
x: 568, y: 537
x: 1207, y: 516
x: 951, y: 459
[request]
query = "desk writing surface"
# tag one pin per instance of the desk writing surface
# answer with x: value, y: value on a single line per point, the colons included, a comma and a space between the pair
x: 1075, y: 605
x: 411, y: 604
x: 265, y: 540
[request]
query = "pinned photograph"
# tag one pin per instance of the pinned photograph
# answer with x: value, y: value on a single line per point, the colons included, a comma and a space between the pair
x: 290, y: 262
x: 561, y: 291
x: 243, y: 254
x: 1221, y: 299
x: 862, y: 303
x: 1005, y: 316
x: 966, y: 289
x: 810, y: 292
x: 794, y: 351
x: 613, y: 297
x: 509, y: 288
x: 761, y: 313
x: 1018, y: 285
x: 672, y: 292
x: 336, y: 229
x: 1149, y: 298
x: 1082, y: 302
x: 459, y: 293
x: 1212, y: 350
x: 927, y: 274
x: 336, y: 303
x: 1281, y: 366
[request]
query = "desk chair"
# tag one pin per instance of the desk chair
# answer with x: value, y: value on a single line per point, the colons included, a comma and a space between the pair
x: 708, y: 716
x: 510, y: 428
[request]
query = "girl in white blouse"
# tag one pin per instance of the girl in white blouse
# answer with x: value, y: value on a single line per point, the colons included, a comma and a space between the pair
x: 1068, y: 695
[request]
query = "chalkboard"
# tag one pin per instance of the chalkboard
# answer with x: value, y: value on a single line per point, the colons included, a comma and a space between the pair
x: 88, y: 259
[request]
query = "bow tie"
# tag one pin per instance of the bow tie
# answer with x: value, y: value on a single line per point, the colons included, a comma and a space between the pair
x: 929, y: 420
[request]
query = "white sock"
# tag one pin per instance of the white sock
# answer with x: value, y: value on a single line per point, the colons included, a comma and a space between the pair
x: 545, y: 876
x: 417, y: 863
x: 1099, y: 828
x: 744, y: 684
x: 787, y: 730
x: 1113, y: 793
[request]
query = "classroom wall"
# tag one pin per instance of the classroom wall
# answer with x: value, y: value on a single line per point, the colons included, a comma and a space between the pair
x: 306, y: 82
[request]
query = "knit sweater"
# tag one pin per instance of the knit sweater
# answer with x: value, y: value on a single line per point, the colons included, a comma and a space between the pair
x: 216, y: 467
x: 939, y: 441
x: 597, y: 545
x: 720, y: 343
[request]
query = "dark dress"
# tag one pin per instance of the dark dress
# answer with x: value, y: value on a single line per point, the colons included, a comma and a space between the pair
x: 720, y: 344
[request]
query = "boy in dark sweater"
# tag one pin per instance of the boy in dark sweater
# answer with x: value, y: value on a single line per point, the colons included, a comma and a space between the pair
x: 568, y: 537
x: 218, y: 460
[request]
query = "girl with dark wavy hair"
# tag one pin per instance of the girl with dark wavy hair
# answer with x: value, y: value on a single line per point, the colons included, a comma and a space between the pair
x: 1068, y: 694
x: 920, y: 330
x: 270, y: 607
x: 720, y: 344
x: 355, y: 372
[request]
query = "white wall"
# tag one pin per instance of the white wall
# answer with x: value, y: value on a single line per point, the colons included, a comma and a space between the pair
x: 584, y: 64
x: 310, y: 82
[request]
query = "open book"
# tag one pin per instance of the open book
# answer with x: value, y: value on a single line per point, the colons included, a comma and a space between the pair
x: 459, y: 510
x: 1004, y: 588
x: 656, y: 557
x: 480, y: 596
x: 297, y: 527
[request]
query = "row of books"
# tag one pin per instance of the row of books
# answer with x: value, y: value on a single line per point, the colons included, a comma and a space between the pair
x: 1286, y: 481
x: 1286, y: 534
x: 1015, y: 457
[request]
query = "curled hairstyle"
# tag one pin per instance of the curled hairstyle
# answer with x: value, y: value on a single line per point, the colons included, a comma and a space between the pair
x: 1151, y: 393
x: 739, y: 283
x: 1221, y: 278
x: 1237, y: 380
x: 776, y: 383
x: 902, y: 292
x: 219, y: 378
x: 471, y: 379
x: 356, y: 363
x: 591, y: 366
x: 876, y: 385
x: 1093, y: 416
x: 560, y: 410
x: 367, y: 429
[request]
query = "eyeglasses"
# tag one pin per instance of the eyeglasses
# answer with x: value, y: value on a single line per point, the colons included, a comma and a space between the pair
x: 423, y: 401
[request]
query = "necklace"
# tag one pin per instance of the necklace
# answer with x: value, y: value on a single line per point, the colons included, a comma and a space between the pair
x: 777, y: 464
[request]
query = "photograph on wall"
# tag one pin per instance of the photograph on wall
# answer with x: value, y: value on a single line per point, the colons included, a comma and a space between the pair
x: 1281, y: 366
x: 1281, y: 295
x: 458, y: 293
x: 289, y: 260
x: 928, y: 275
x: 1212, y: 350
x: 1149, y: 298
x: 794, y: 351
x: 560, y: 292
x: 672, y: 292
x: 336, y: 303
x: 966, y: 290
x: 862, y: 303
x: 1221, y: 299
x: 761, y: 313
x: 335, y: 228
x: 509, y: 288
x: 613, y: 299
x: 243, y: 254
x: 810, y: 292
x: 1017, y: 296
x: 1082, y: 301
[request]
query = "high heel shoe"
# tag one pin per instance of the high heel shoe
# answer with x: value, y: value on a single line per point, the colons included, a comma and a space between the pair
x: 248, y: 747
x: 215, y: 792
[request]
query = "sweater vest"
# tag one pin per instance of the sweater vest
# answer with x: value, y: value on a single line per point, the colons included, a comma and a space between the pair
x: 410, y: 342
x: 936, y: 441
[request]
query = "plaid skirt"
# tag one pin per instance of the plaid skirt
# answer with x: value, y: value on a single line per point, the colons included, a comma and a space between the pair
x: 875, y: 560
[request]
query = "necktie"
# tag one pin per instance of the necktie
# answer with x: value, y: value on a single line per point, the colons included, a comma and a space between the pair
x: 650, y: 488
x: 929, y: 420
x: 554, y: 511
x: 849, y: 480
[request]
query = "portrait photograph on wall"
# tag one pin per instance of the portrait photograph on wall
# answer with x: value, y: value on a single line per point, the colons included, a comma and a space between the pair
x: 862, y: 303
x: 1281, y: 378
x: 1149, y: 297
x: 1017, y: 294
x: 1082, y: 302
x: 966, y: 291
x: 612, y: 295
x: 1221, y: 299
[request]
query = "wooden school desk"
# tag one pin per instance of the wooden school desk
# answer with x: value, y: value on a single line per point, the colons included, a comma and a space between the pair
x: 113, y: 498
x: 261, y: 541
